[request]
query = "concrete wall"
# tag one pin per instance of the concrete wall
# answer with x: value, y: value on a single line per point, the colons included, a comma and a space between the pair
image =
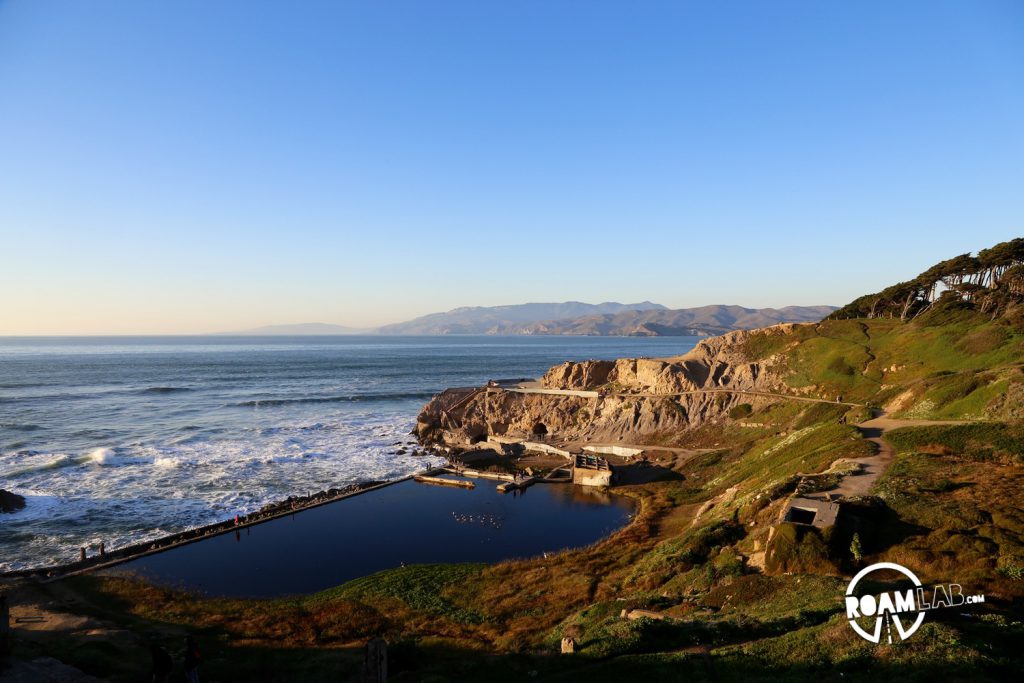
x: 588, y: 477
x: 504, y: 440
x: 621, y: 451
x: 545, y: 448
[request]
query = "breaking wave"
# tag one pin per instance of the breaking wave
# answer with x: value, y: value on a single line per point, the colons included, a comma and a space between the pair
x: 101, y: 456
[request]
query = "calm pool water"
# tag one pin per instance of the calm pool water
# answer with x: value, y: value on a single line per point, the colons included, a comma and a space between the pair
x: 406, y: 523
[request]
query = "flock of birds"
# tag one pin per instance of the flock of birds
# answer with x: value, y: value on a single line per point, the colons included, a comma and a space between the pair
x: 484, y: 519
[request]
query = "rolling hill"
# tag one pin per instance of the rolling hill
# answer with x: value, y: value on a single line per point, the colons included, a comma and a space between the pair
x: 705, y: 320
x: 501, y: 319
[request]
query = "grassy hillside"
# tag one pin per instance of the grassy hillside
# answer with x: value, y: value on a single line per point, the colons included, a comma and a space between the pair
x: 949, y: 363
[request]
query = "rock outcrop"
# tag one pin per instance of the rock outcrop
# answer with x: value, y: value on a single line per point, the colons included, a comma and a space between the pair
x: 715, y: 363
x: 10, y: 502
x: 639, y: 400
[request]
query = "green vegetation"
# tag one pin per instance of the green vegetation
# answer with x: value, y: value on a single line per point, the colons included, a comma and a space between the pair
x: 961, y: 368
x: 978, y: 442
x: 420, y: 587
x: 957, y: 490
x: 680, y: 555
x: 740, y: 411
x: 801, y: 549
x: 743, y: 596
x: 856, y: 549
x: 992, y: 281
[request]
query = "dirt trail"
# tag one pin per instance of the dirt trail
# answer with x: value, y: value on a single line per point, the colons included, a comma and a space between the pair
x: 531, y: 388
x: 872, y: 467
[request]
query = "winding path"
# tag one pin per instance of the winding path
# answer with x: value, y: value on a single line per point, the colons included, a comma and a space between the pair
x: 873, y: 430
x: 872, y: 467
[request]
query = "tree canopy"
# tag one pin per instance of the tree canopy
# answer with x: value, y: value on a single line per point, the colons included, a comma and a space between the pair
x: 992, y: 281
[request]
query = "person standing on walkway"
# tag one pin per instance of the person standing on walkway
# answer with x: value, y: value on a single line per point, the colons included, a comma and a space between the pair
x: 191, y: 660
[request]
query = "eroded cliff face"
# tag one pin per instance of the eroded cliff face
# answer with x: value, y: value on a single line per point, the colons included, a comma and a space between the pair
x: 607, y: 418
x: 639, y: 401
x: 715, y: 363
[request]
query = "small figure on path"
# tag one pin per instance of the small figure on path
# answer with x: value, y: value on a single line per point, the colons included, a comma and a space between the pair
x: 191, y: 660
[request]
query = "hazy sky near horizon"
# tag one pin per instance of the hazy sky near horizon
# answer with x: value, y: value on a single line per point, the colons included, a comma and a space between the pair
x: 188, y: 166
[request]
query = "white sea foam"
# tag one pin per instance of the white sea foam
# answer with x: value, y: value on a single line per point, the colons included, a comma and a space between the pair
x: 136, y: 492
x: 37, y: 505
x: 101, y: 456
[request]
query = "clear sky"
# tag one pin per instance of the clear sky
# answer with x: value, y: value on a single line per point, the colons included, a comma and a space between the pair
x: 195, y: 166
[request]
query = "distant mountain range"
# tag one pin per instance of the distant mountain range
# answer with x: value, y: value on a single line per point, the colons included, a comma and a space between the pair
x: 705, y: 320
x: 610, y: 319
x: 507, y: 319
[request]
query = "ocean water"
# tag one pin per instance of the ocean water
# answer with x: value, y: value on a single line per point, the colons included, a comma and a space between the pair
x: 126, y: 439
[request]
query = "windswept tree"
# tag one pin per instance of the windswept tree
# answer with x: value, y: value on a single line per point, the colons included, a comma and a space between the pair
x: 992, y: 281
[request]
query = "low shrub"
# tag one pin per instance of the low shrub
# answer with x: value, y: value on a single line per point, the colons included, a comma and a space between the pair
x: 741, y: 411
x: 800, y: 549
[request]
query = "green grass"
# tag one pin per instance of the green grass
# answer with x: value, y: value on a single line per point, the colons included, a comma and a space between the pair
x: 682, y: 554
x: 958, y: 489
x: 809, y: 449
x: 420, y: 587
x: 859, y: 359
x: 979, y: 441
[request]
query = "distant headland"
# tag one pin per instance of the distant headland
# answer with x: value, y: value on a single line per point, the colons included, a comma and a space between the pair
x: 608, y: 319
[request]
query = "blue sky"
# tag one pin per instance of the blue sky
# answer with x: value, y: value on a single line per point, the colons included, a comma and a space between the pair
x: 194, y: 166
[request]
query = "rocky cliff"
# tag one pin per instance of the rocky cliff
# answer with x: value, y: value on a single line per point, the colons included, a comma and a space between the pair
x: 715, y: 363
x: 638, y: 400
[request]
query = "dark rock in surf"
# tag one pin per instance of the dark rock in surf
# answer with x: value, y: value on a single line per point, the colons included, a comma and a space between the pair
x: 10, y: 502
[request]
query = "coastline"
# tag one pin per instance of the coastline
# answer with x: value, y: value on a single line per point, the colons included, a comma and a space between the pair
x: 269, y: 512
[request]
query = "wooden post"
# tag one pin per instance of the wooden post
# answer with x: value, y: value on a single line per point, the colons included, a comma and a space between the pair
x: 82, y: 556
x: 5, y: 626
x: 375, y: 664
x: 103, y: 549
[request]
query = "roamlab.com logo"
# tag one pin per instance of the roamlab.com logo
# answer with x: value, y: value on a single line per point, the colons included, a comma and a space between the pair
x: 904, y: 609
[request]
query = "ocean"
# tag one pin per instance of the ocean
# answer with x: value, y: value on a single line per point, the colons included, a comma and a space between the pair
x: 126, y: 439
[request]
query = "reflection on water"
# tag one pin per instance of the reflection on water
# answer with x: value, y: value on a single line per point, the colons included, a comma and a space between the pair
x: 583, y: 495
x: 407, y: 523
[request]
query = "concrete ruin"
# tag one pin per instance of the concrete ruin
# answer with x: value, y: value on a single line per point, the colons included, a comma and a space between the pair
x: 621, y: 451
x: 591, y: 470
x: 811, y: 512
